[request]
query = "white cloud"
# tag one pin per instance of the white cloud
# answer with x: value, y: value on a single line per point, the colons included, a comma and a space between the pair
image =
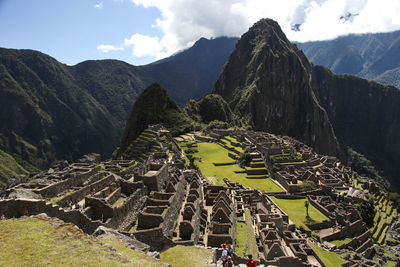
x: 107, y: 48
x: 143, y: 45
x: 98, y: 6
x: 184, y: 21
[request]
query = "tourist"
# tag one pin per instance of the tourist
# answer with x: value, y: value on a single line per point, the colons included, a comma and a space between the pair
x: 251, y: 262
x: 228, y: 262
x: 165, y: 185
x: 2, y: 218
x: 224, y: 254
x: 229, y: 249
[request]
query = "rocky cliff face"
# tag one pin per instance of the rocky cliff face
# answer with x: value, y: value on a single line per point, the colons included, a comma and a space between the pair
x: 267, y: 80
x: 365, y: 116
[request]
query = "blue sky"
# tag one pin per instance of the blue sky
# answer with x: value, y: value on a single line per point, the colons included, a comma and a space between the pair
x: 142, y: 31
x: 71, y: 30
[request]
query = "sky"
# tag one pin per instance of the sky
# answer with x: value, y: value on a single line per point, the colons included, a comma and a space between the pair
x: 142, y: 31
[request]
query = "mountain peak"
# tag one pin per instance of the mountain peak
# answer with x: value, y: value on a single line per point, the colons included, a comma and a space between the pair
x: 267, y: 81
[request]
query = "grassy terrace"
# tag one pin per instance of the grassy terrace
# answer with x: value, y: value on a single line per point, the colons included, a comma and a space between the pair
x: 296, y: 211
x: 329, y: 258
x: 183, y: 256
x: 211, y: 152
x: 46, y: 242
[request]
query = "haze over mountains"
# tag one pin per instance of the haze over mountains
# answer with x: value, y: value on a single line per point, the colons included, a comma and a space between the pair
x: 52, y: 111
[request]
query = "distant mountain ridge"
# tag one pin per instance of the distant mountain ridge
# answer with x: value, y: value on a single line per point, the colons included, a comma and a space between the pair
x: 372, y: 56
x: 53, y: 111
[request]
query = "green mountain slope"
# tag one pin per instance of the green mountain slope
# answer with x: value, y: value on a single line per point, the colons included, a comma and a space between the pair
x: 52, y: 111
x: 45, y: 114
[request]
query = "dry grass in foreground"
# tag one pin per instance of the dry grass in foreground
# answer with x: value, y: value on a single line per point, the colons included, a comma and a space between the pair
x: 42, y: 241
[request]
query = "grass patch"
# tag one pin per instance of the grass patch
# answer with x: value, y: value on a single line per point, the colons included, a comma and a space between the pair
x: 47, y: 242
x: 9, y: 168
x: 136, y: 257
x: 329, y: 258
x: 341, y: 241
x: 211, y: 152
x: 296, y: 211
x: 183, y: 256
x: 251, y: 240
x: 240, y: 248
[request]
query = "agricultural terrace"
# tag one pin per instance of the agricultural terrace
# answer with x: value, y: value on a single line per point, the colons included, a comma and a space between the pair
x: 209, y: 153
x: 296, y: 211
x: 385, y: 212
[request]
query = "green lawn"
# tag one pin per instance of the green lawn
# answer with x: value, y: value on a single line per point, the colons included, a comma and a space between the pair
x: 183, y: 256
x: 296, y: 211
x: 329, y: 258
x: 211, y: 152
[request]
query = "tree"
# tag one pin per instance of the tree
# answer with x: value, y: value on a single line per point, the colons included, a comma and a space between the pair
x: 306, y: 205
x: 367, y: 211
x: 308, y: 185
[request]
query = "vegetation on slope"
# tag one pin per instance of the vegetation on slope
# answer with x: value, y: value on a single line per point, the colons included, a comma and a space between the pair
x: 210, y: 107
x: 154, y: 106
x: 9, y: 168
x: 45, y: 114
x: 44, y: 241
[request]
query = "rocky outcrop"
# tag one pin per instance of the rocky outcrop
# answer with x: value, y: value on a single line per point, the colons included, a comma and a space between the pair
x: 364, y: 114
x: 267, y: 81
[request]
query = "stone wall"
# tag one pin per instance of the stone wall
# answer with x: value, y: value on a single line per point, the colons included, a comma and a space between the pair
x: 133, y: 203
x: 154, y: 238
x: 20, y: 207
x: 74, y: 180
x: 352, y: 229
x: 174, y: 208
x: 81, y: 193
x: 323, y: 210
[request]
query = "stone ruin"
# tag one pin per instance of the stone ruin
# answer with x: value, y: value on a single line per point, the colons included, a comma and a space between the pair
x: 161, y: 203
